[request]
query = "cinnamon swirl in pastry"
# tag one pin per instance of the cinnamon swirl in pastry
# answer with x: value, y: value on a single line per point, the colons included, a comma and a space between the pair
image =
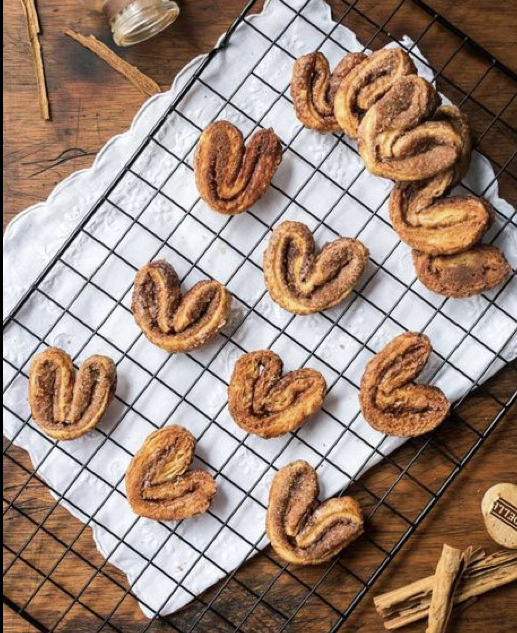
x: 367, y: 82
x: 159, y: 485
x: 264, y: 402
x: 301, y: 530
x: 313, y: 89
x: 174, y: 322
x: 399, y: 138
x: 232, y: 177
x: 66, y: 405
x: 428, y: 221
x: 304, y: 282
x: 391, y: 401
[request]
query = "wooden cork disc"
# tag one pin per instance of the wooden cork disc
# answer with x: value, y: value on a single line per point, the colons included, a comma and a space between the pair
x: 499, y: 507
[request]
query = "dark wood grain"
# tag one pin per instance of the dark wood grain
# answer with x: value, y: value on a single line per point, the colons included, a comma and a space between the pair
x: 90, y: 104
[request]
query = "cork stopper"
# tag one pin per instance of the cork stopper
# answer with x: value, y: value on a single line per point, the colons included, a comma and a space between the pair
x: 499, y: 507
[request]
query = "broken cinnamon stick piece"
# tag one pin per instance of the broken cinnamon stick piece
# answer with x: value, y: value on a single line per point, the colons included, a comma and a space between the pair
x: 34, y: 11
x: 450, y: 569
x: 144, y: 83
x: 33, y: 31
x: 482, y: 574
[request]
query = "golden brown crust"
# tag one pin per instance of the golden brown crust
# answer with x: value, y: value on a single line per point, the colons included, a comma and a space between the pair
x: 399, y: 139
x: 302, y: 531
x: 313, y: 88
x: 465, y: 274
x: 453, y: 116
x: 158, y: 485
x: 173, y: 322
x: 390, y: 401
x: 230, y: 176
x: 404, y: 135
x: 64, y: 405
x: 305, y: 283
x: 437, y: 227
x: 427, y: 221
x: 369, y: 80
x: 266, y: 404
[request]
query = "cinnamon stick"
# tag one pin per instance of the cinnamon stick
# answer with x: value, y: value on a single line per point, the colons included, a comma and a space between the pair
x: 450, y: 569
x: 33, y: 31
x: 34, y: 12
x: 144, y: 83
x: 482, y: 574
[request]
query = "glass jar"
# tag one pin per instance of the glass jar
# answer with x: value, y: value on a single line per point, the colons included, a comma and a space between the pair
x: 134, y: 21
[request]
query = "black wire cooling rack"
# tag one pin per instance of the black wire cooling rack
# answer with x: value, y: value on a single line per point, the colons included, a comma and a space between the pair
x: 76, y: 590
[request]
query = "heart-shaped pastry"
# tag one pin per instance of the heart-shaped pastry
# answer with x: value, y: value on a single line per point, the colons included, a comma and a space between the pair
x: 171, y: 321
x: 267, y: 404
x: 465, y: 274
x: 313, y: 88
x: 303, y: 282
x: 302, y: 531
x: 390, y: 401
x: 431, y: 223
x: 399, y: 139
x: 367, y: 82
x: 437, y: 227
x: 230, y: 176
x: 158, y: 483
x: 64, y: 405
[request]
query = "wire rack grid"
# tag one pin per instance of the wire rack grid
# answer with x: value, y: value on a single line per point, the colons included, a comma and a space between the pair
x: 245, y: 600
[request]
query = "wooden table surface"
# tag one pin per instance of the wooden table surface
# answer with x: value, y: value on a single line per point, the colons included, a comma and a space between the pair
x: 89, y: 105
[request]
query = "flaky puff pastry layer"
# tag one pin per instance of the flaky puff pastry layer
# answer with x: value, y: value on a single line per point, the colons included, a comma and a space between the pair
x: 159, y: 485
x: 266, y: 403
x: 400, y: 140
x: 476, y: 270
x: 304, y: 282
x: 174, y: 322
x: 428, y: 221
x: 231, y: 176
x: 367, y: 82
x: 66, y: 405
x: 313, y: 89
x: 301, y: 530
x: 391, y: 401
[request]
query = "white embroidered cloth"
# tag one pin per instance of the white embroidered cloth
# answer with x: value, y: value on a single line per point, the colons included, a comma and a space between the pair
x: 88, y: 473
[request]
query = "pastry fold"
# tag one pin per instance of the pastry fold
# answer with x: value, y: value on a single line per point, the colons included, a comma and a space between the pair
x: 174, y: 322
x: 265, y: 403
x: 400, y: 140
x: 302, y: 531
x: 313, y: 88
x: 304, y: 282
x: 367, y: 82
x: 66, y: 405
x: 429, y: 222
x: 405, y: 135
x: 476, y: 270
x: 159, y: 485
x: 232, y: 177
x: 391, y: 401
